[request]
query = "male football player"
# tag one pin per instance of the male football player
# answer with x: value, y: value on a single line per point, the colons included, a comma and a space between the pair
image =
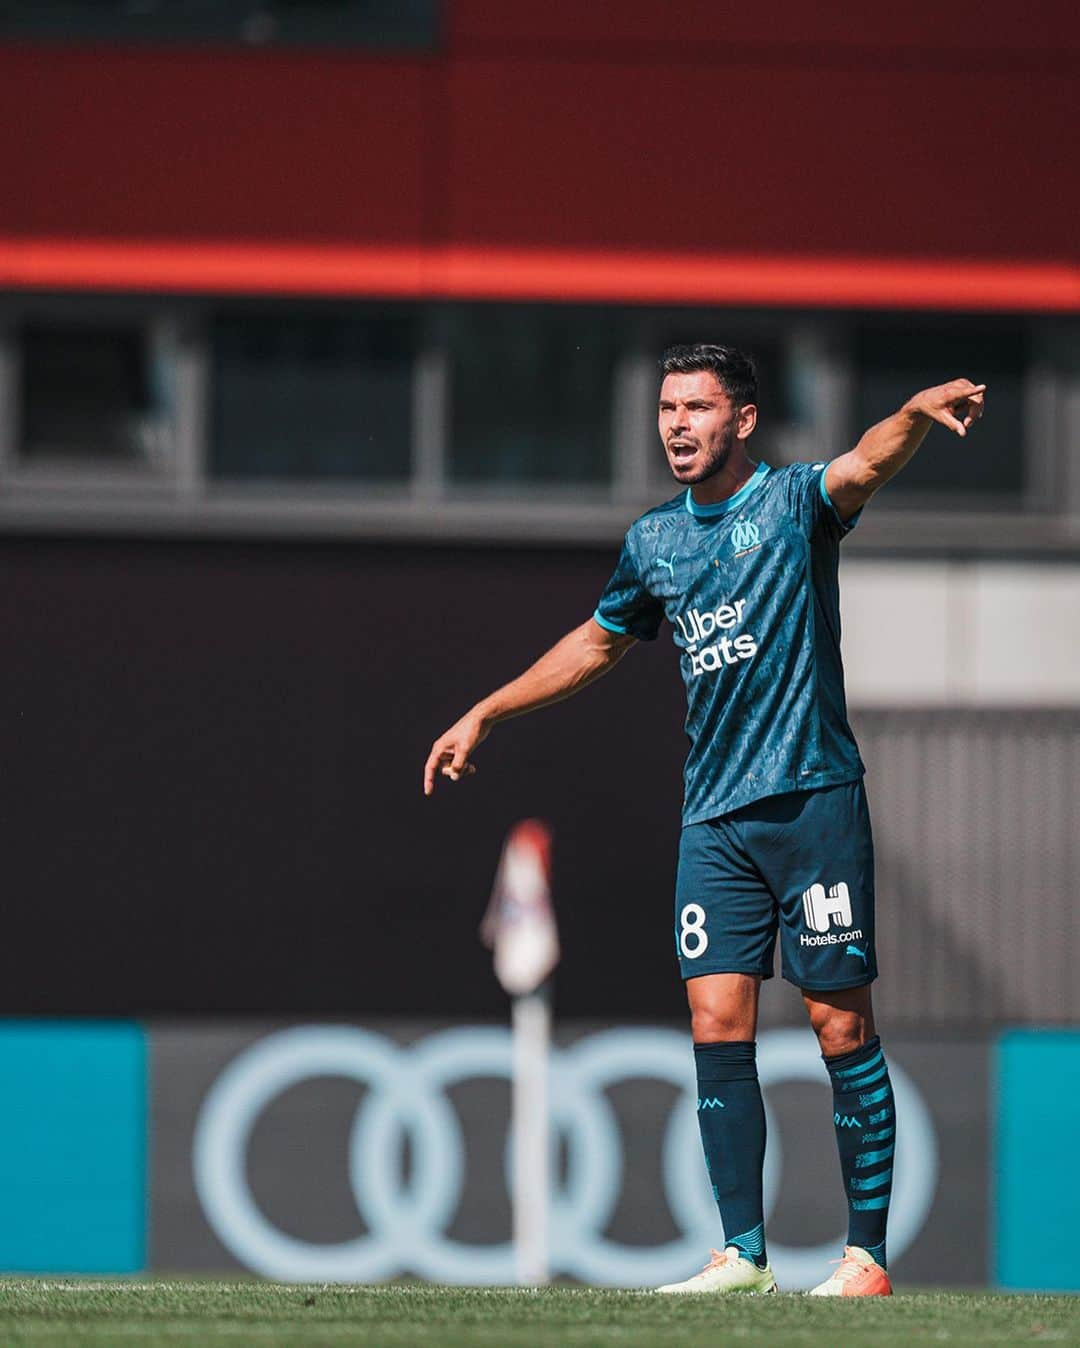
x: 776, y: 832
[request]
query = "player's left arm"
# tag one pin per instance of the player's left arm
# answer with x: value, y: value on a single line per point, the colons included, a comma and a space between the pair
x: 852, y: 478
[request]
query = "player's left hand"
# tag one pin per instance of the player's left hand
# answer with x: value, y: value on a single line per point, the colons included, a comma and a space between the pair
x: 957, y: 404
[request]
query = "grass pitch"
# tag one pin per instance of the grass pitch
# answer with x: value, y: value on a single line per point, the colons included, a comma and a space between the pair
x: 70, y: 1314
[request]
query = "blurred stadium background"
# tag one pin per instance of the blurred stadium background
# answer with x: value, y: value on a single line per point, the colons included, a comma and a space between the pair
x: 327, y: 370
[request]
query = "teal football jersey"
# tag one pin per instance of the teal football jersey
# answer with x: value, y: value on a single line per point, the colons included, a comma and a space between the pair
x: 751, y: 591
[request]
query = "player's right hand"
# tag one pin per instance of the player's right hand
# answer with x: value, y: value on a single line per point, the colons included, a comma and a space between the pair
x: 449, y: 755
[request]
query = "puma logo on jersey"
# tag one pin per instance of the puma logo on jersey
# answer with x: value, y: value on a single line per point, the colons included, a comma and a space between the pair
x: 660, y: 561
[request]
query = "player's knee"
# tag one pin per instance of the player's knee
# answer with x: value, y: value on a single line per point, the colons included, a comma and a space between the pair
x: 715, y: 1025
x: 838, y: 1031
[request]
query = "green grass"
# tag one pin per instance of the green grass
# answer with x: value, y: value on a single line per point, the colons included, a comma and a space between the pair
x: 69, y: 1314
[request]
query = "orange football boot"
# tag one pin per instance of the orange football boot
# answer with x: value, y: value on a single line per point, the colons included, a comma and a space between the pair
x: 858, y: 1276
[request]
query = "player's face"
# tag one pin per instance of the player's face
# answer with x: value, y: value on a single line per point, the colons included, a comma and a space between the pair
x: 699, y: 425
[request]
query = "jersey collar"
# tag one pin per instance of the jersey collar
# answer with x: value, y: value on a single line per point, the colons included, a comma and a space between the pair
x: 704, y: 512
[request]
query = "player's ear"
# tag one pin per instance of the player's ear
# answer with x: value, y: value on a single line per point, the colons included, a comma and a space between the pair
x: 746, y: 421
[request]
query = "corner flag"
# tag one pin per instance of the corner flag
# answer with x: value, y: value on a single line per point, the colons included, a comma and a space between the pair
x: 519, y: 925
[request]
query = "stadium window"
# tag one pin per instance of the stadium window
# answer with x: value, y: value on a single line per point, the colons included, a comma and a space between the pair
x: 531, y: 394
x: 893, y: 360
x: 412, y: 24
x: 93, y: 395
x: 312, y: 397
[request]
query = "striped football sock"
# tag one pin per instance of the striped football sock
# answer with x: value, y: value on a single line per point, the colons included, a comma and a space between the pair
x: 865, y: 1121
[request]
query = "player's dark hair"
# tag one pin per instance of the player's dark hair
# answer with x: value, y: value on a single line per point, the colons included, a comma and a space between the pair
x: 734, y: 370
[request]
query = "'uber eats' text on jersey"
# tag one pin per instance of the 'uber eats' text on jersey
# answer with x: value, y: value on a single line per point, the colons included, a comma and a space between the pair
x: 750, y: 588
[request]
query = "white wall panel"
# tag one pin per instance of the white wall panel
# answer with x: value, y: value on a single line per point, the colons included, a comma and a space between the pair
x: 895, y: 619
x: 966, y: 634
x: 1025, y: 630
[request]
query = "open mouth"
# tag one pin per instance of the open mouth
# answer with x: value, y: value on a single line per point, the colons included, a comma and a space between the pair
x: 681, y: 451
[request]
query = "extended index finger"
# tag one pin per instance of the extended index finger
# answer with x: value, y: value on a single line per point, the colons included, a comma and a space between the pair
x: 431, y: 768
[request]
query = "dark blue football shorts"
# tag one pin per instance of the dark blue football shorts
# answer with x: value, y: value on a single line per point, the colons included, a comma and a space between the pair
x: 801, y: 863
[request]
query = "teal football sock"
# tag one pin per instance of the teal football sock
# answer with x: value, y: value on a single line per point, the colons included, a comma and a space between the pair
x: 731, y: 1117
x: 865, y: 1121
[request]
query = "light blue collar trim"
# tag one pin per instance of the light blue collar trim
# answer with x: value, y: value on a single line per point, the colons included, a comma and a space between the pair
x: 704, y: 512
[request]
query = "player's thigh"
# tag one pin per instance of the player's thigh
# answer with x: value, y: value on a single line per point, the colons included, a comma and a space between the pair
x: 725, y: 914
x: 816, y: 850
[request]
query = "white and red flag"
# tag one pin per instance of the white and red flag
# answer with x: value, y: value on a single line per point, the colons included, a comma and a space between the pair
x: 519, y: 925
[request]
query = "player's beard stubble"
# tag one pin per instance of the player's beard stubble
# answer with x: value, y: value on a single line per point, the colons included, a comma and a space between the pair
x: 709, y: 460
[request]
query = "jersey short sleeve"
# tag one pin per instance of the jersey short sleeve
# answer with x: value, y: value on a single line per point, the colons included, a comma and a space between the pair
x: 809, y: 501
x: 626, y: 606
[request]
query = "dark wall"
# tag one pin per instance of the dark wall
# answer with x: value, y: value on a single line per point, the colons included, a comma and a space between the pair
x: 211, y: 797
x: 795, y: 129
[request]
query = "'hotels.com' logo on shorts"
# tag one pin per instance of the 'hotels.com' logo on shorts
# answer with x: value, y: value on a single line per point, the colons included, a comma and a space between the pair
x: 828, y: 907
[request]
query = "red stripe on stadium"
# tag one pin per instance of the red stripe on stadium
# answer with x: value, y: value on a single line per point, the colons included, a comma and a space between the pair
x: 538, y: 274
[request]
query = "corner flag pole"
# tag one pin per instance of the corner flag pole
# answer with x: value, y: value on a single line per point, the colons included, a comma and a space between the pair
x: 530, y: 1121
x: 520, y: 927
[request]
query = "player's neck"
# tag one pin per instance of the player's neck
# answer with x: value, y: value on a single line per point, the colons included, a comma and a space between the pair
x: 734, y: 475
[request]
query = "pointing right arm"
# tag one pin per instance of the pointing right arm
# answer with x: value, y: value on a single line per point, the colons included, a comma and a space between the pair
x: 577, y: 660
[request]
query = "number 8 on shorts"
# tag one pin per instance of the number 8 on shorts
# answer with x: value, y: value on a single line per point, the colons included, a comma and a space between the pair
x: 693, y: 938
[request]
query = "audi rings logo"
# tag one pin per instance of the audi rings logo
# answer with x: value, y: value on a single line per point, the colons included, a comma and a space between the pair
x: 407, y: 1216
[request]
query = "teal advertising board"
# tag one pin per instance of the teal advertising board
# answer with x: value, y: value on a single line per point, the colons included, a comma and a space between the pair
x: 1038, y: 1178
x: 73, y: 1134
